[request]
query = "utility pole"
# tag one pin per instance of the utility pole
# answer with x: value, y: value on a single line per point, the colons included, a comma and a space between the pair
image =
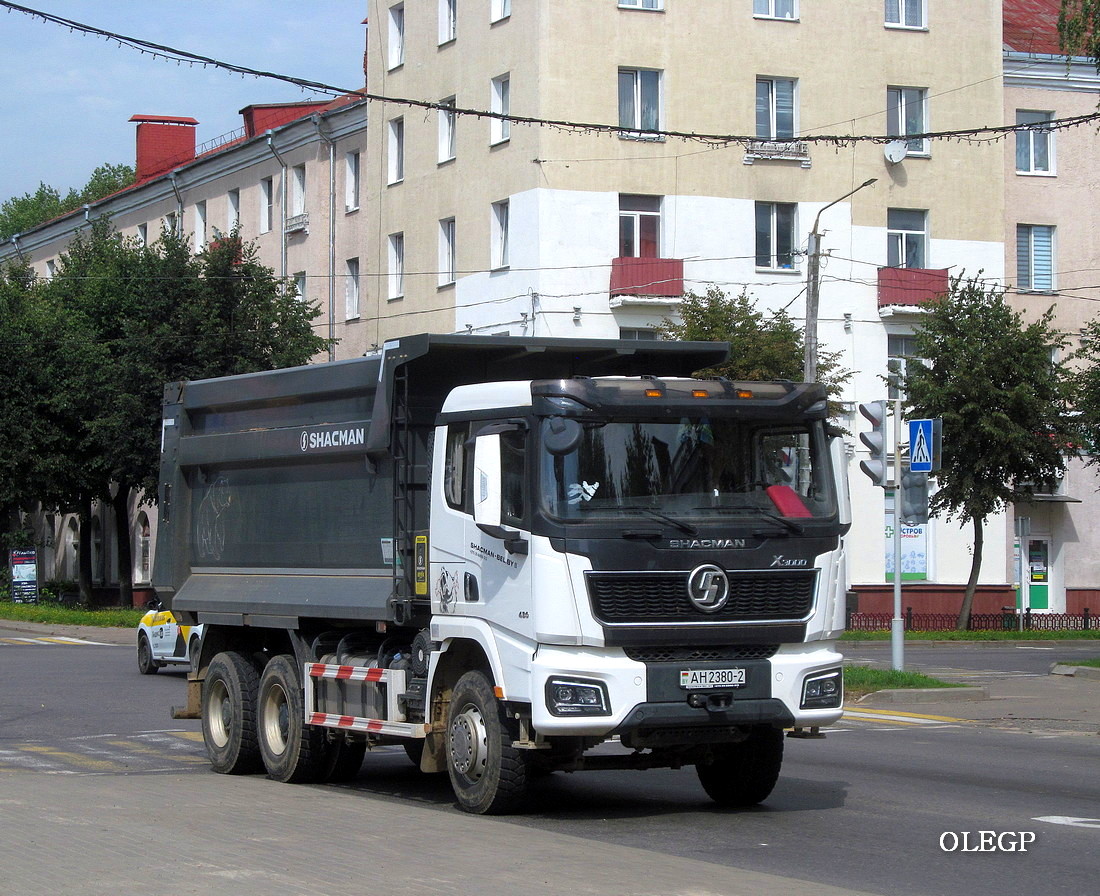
x: 813, y: 287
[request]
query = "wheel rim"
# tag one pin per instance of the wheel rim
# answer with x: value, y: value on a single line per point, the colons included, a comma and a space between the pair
x: 220, y: 711
x: 469, y: 740
x: 276, y: 719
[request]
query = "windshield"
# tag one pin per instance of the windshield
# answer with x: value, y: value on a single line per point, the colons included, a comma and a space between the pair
x: 692, y: 468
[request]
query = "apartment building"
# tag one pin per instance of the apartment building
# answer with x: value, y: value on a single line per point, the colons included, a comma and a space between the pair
x: 633, y: 150
x: 1051, y: 260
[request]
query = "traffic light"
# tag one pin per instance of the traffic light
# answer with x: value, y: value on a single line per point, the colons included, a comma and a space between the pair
x: 913, y: 498
x: 876, y: 465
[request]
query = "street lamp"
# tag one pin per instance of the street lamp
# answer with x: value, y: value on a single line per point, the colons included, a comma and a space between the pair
x: 813, y: 286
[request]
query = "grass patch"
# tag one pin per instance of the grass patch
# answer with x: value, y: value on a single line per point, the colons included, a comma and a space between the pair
x: 1093, y: 664
x: 52, y: 614
x: 862, y: 680
x: 986, y: 635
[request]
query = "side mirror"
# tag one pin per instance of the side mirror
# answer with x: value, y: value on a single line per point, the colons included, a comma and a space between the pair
x: 487, y: 475
x: 561, y: 435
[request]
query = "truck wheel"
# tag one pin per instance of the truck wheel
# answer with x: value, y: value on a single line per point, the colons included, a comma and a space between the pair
x: 293, y: 752
x: 743, y: 774
x: 488, y: 774
x: 343, y: 757
x: 193, y: 653
x: 146, y: 664
x: 229, y: 714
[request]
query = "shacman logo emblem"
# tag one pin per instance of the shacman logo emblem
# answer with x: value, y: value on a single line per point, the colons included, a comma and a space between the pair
x: 708, y: 588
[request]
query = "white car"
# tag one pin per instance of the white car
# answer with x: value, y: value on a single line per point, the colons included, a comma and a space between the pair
x: 161, y: 641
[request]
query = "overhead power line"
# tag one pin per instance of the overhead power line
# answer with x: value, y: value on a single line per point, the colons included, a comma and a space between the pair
x: 173, y: 54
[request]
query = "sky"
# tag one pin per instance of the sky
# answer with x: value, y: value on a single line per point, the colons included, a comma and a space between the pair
x: 68, y: 97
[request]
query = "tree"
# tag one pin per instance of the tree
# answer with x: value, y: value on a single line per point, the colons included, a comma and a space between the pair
x: 762, y: 347
x: 1079, y: 28
x: 1086, y: 385
x: 22, y: 213
x: 1004, y: 404
x: 127, y: 319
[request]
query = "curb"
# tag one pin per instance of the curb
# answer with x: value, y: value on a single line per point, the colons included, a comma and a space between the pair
x: 926, y: 695
x: 1090, y: 672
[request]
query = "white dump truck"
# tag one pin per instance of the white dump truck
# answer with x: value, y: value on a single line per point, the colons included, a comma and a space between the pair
x: 510, y: 555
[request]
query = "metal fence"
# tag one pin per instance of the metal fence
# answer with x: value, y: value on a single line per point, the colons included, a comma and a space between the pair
x: 1006, y: 620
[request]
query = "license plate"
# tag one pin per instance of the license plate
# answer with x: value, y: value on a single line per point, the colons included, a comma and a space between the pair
x: 712, y: 678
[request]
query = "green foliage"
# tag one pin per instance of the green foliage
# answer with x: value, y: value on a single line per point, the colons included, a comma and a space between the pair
x: 1004, y: 402
x: 55, y: 614
x: 762, y: 347
x: 1079, y: 28
x: 22, y: 213
x: 1086, y: 384
x: 861, y: 680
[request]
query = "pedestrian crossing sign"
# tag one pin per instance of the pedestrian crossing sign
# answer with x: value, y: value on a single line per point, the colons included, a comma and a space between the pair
x: 924, y: 448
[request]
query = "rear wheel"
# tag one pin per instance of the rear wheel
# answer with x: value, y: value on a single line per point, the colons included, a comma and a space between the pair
x: 193, y: 653
x: 488, y: 774
x: 743, y: 774
x: 146, y: 664
x: 292, y: 751
x: 229, y: 714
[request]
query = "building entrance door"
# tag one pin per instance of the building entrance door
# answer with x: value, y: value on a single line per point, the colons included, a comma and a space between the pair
x: 1036, y: 577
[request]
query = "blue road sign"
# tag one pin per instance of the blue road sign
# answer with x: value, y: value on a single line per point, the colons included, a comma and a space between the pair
x: 922, y: 446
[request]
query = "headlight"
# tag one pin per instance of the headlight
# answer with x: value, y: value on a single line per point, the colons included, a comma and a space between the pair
x: 576, y: 697
x: 824, y: 690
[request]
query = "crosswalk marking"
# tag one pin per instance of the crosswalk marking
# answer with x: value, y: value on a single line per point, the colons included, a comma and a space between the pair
x: 54, y: 640
x: 108, y: 754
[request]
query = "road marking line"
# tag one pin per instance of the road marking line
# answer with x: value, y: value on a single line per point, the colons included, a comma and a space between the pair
x: 85, y: 762
x: 892, y: 716
x: 1070, y: 821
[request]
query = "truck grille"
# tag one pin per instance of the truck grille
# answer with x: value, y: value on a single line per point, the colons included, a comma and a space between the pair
x: 680, y: 655
x: 648, y: 597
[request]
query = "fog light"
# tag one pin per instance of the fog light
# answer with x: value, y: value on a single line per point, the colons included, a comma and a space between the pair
x: 576, y: 697
x: 824, y: 690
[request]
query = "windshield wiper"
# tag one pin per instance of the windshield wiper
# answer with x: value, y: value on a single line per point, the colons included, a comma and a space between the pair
x: 664, y: 517
x: 769, y: 515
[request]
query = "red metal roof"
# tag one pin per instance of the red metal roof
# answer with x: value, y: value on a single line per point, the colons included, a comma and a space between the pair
x: 1031, y: 26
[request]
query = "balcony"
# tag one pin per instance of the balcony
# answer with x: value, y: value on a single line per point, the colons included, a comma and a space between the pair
x: 778, y: 150
x: 910, y: 286
x: 298, y: 223
x: 647, y: 277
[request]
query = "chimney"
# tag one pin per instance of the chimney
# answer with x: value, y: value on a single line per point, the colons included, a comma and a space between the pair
x: 163, y: 143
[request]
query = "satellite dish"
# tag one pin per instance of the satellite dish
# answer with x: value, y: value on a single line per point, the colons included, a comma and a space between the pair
x: 895, y: 151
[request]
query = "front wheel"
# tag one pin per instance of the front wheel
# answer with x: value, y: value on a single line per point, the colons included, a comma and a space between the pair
x: 293, y: 752
x: 229, y: 714
x: 743, y: 774
x: 146, y: 664
x: 488, y: 774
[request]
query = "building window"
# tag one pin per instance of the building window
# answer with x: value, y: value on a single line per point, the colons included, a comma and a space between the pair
x: 233, y: 210
x: 143, y: 234
x: 396, y: 53
x: 267, y: 204
x: 397, y: 265
x: 448, y: 21
x: 446, y: 251
x: 638, y: 333
x: 639, y: 100
x: 500, y: 9
x: 642, y: 4
x: 1035, y: 257
x: 1034, y: 146
x: 905, y: 13
x: 397, y: 151
x: 200, y: 226
x: 900, y: 349
x: 639, y: 226
x: 300, y: 285
x: 499, y: 227
x: 906, y: 238
x: 775, y: 9
x: 170, y: 224
x: 298, y: 190
x: 351, y: 181
x: 775, y: 235
x: 351, y: 290
x: 500, y: 102
x: 447, y: 130
x: 775, y: 108
x: 906, y: 114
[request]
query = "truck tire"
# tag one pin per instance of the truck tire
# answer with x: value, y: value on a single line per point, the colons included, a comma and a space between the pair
x: 743, y: 774
x: 229, y: 714
x: 343, y: 757
x: 488, y: 774
x: 146, y: 664
x: 292, y: 751
x: 193, y: 648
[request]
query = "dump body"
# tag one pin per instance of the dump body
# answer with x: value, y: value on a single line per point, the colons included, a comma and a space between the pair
x: 504, y: 552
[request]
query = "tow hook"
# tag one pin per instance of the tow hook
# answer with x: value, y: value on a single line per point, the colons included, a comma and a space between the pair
x: 711, y: 702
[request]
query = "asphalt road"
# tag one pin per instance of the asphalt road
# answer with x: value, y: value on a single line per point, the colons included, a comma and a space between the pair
x: 863, y: 810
